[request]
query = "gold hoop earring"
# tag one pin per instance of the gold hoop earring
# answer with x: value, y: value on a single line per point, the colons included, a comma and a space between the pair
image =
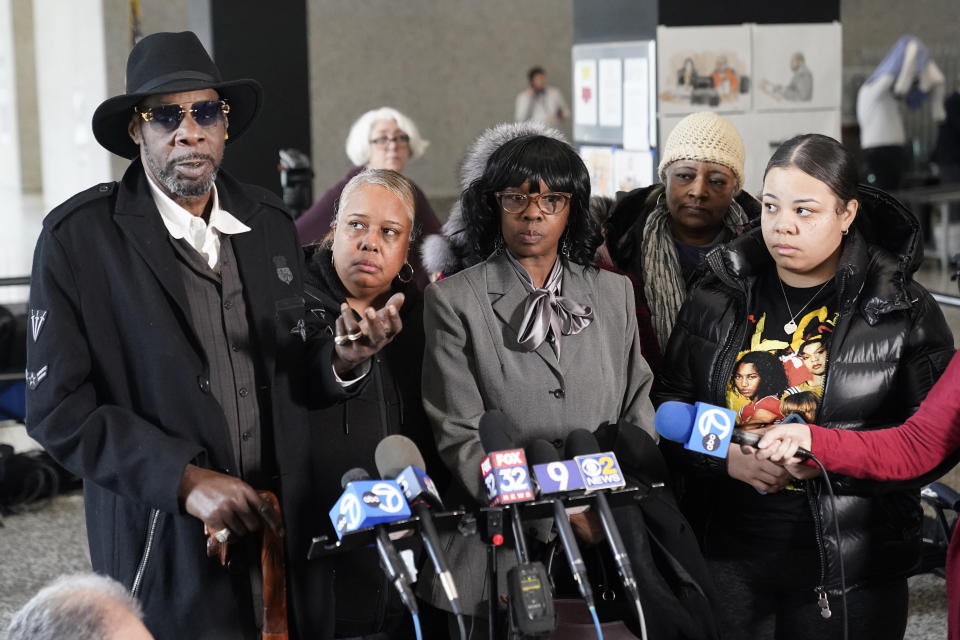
x: 409, y: 274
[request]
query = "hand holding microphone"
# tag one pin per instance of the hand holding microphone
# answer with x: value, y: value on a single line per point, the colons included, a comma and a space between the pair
x: 781, y: 444
x: 709, y: 429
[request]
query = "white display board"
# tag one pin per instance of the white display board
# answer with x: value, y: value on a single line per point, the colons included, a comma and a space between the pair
x: 704, y: 68
x: 796, y: 66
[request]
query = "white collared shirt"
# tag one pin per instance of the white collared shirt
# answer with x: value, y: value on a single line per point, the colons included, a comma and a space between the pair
x: 202, y: 236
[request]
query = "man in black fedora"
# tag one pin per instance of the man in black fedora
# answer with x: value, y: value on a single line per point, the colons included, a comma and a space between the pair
x: 169, y: 364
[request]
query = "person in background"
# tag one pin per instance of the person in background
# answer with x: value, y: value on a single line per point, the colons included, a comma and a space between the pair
x: 835, y: 260
x: 540, y: 103
x: 659, y: 234
x: 84, y: 606
x: 947, y: 151
x: 363, y: 264
x: 381, y: 138
x: 906, y: 77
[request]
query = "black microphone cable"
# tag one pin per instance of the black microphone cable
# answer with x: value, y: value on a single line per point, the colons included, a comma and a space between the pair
x: 582, y: 442
x: 836, y: 531
x: 393, y: 565
x: 808, y: 455
x: 542, y: 452
x: 393, y: 454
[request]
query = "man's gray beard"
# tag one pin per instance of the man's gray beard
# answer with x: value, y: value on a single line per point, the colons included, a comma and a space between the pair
x: 180, y: 188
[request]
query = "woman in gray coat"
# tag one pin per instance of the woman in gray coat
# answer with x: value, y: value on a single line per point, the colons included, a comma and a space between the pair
x: 533, y: 330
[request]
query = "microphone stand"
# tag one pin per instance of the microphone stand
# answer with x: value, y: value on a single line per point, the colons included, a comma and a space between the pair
x: 491, y: 528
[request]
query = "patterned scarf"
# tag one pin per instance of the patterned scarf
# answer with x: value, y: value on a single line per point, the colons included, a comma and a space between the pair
x: 663, y: 282
x: 546, y: 312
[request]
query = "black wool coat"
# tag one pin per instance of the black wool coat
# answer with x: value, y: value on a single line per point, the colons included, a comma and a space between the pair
x: 121, y: 395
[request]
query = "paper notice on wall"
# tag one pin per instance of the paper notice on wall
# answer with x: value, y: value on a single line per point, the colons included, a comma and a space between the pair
x: 599, y: 163
x: 636, y: 104
x: 632, y: 170
x: 611, y: 100
x: 585, y: 92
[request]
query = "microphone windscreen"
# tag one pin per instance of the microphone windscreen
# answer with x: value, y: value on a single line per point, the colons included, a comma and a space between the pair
x: 353, y: 475
x: 541, y: 452
x: 581, y: 442
x: 396, y: 453
x: 495, y: 430
x: 674, y: 420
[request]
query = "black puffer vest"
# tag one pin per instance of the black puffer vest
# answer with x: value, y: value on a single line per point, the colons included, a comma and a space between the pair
x: 890, y: 345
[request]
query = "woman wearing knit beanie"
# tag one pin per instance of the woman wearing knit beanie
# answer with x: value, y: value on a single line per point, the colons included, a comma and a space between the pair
x: 659, y: 234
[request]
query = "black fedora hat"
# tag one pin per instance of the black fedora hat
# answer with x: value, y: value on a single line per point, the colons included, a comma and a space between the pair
x: 171, y: 63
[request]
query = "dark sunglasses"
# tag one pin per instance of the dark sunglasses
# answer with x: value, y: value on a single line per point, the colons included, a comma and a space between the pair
x: 169, y: 116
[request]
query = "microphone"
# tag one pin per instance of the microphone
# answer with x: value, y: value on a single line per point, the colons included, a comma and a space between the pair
x: 507, y: 482
x: 359, y: 507
x: 399, y: 456
x: 707, y: 428
x: 365, y: 503
x: 600, y: 471
x: 504, y: 469
x: 544, y: 456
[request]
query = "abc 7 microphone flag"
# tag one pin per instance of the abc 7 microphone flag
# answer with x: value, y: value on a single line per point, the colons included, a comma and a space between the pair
x: 366, y: 503
x: 713, y: 430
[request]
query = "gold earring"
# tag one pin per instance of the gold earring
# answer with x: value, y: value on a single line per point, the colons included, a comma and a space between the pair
x: 226, y: 136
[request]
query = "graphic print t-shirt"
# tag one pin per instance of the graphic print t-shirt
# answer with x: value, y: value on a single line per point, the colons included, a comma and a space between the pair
x: 781, y: 370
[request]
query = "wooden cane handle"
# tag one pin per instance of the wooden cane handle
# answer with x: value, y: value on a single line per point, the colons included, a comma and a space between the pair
x: 273, y: 565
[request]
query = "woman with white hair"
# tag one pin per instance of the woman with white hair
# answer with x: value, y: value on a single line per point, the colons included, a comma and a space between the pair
x: 381, y: 138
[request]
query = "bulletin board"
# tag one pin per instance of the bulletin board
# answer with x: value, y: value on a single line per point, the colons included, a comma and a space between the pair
x: 614, y: 113
x: 614, y: 94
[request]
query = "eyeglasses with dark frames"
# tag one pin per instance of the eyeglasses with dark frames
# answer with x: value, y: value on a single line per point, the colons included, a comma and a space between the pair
x: 168, y: 117
x: 551, y: 203
x: 383, y: 141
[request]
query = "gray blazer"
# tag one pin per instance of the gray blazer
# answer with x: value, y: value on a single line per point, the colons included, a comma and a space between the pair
x: 473, y: 363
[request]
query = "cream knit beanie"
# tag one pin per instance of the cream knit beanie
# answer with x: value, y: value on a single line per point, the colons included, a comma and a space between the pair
x: 704, y: 136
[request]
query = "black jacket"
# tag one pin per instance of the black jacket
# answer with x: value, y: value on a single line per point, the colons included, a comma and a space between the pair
x: 890, y: 345
x: 346, y: 435
x: 623, y: 232
x: 125, y: 401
